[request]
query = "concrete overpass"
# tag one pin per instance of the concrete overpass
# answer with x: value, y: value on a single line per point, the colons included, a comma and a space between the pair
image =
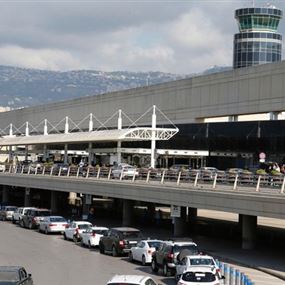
x: 246, y: 202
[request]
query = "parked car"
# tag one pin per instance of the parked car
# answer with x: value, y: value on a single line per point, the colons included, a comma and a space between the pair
x: 15, y: 275
x: 185, y: 262
x: 118, y: 241
x: 2, y: 167
x: 208, y: 173
x: 124, y: 170
x: 144, y: 250
x: 91, y: 237
x: 131, y: 280
x: 199, y: 275
x: 31, y: 219
x: 73, y: 231
x: 180, y: 167
x: 53, y: 224
x: 166, y: 256
x: 7, y: 212
x: 18, y: 214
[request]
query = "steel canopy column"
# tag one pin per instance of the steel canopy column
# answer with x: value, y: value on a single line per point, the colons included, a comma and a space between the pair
x: 249, y: 224
x: 153, y: 141
x: 119, y: 143
x: 45, y: 153
x: 90, y: 154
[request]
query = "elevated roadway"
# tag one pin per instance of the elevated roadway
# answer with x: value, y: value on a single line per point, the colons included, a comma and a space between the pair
x: 243, y: 200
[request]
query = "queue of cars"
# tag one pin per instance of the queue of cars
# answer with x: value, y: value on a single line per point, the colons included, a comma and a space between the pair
x: 181, y: 259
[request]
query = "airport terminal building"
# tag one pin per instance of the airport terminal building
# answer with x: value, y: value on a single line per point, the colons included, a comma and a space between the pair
x: 224, y: 119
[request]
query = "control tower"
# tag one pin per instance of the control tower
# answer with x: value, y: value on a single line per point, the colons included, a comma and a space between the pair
x: 257, y: 41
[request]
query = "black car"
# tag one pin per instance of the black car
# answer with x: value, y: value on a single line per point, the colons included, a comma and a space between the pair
x: 15, y: 275
x: 118, y: 241
x: 166, y: 256
x: 31, y: 219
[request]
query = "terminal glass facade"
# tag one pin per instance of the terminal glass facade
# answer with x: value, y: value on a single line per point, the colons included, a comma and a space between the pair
x: 258, y: 41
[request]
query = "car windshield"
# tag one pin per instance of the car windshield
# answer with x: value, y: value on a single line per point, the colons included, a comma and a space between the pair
x: 132, y: 234
x: 11, y: 209
x: 201, y: 261
x: 84, y: 226
x: 155, y: 244
x: 100, y: 232
x: 198, y: 277
x: 9, y: 276
x: 43, y: 213
x: 190, y: 248
x: 59, y: 219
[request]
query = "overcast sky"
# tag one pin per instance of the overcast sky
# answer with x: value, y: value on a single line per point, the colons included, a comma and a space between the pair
x: 183, y: 36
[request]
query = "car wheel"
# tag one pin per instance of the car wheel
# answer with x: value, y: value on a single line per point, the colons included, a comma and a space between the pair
x: 177, y: 277
x: 131, y: 256
x: 165, y: 269
x: 46, y: 231
x: 82, y: 243
x: 22, y: 225
x: 64, y: 236
x: 13, y: 221
x: 143, y: 260
x: 75, y: 239
x: 154, y: 267
x: 101, y: 248
x: 30, y: 225
x: 114, y: 251
x: 89, y: 244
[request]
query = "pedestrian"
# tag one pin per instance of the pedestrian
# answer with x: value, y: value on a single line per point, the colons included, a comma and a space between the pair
x: 91, y: 216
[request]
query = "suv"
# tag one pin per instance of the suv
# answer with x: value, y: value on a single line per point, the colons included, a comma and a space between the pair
x: 31, y: 219
x: 7, y: 212
x: 166, y: 256
x: 119, y: 240
x: 18, y: 214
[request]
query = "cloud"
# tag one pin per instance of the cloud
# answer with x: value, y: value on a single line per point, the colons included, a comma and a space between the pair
x: 42, y: 59
x: 178, y: 36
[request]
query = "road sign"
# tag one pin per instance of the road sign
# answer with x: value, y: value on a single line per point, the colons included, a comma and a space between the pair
x: 175, y: 211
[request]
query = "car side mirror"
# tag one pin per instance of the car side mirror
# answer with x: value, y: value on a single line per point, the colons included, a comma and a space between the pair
x: 29, y: 275
x: 223, y: 277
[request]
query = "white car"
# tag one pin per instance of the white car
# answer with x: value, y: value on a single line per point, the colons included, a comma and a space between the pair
x: 91, y: 236
x: 18, y: 214
x: 2, y: 167
x: 193, y: 261
x: 74, y: 230
x: 200, y: 275
x: 53, y: 224
x: 131, y: 280
x: 124, y: 170
x: 7, y: 212
x: 143, y: 251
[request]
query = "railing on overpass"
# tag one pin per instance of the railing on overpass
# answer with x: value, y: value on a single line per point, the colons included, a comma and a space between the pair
x: 194, y: 178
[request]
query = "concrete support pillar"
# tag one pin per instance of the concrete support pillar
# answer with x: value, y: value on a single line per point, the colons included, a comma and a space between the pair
x: 233, y: 118
x: 249, y: 224
x: 72, y: 198
x: 54, y: 202
x: 90, y: 154
x: 28, y: 196
x: 26, y: 152
x: 65, y: 159
x: 273, y: 116
x: 5, y: 194
x: 127, y: 213
x: 45, y: 153
x: 10, y: 158
x: 180, y: 225
x: 192, y: 215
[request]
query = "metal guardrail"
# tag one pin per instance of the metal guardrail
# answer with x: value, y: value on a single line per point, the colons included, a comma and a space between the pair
x: 161, y: 176
x: 233, y: 276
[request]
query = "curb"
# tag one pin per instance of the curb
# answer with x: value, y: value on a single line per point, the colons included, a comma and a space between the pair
x: 262, y: 269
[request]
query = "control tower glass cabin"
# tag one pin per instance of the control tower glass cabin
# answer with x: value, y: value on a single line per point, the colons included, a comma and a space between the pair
x: 258, y: 41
